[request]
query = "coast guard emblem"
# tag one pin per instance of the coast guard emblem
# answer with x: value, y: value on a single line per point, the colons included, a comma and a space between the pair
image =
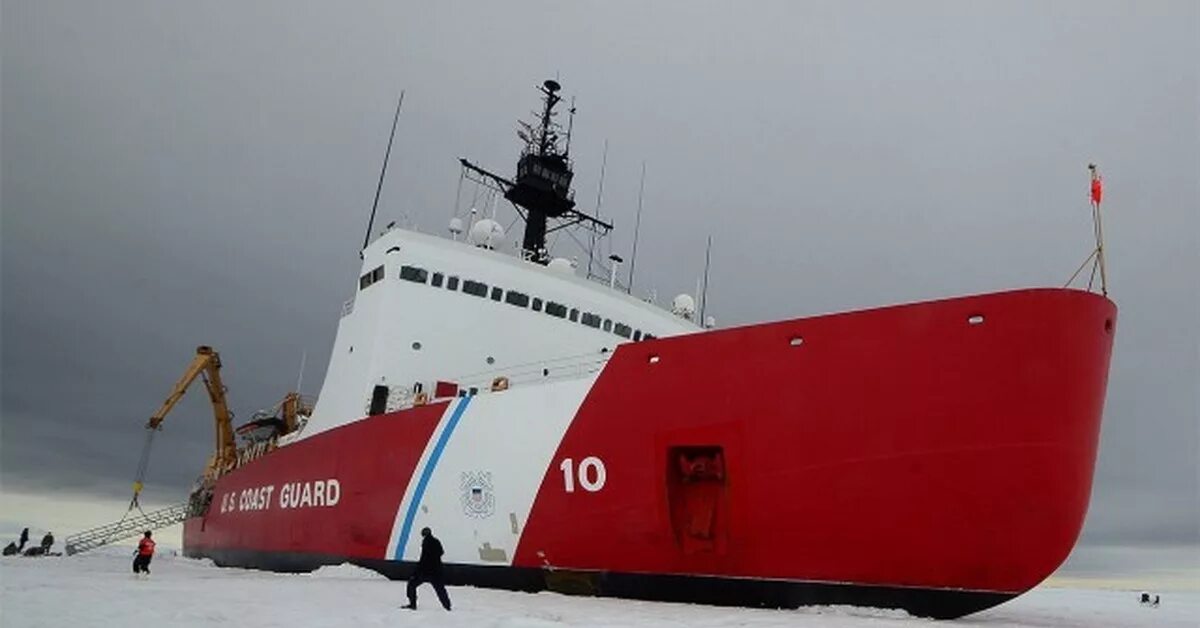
x: 478, y: 498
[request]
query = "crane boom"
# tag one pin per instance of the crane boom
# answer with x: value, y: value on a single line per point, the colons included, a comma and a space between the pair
x: 207, y: 366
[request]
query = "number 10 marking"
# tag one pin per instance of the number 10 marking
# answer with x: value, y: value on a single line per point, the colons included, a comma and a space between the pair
x: 591, y: 474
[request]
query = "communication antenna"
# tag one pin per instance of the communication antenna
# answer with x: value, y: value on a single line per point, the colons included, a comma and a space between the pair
x: 300, y: 377
x: 704, y: 291
x: 382, y: 173
x: 570, y: 127
x: 599, y: 200
x: 637, y: 227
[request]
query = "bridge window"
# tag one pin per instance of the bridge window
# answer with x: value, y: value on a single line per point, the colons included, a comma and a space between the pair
x: 649, y: 337
x: 591, y: 320
x: 574, y: 315
x: 556, y: 309
x: 622, y: 330
x: 436, y: 280
x: 370, y: 278
x: 414, y: 274
x: 607, y: 325
x: 519, y: 299
x: 497, y: 294
x: 637, y: 335
x: 537, y: 304
x: 475, y: 288
x: 452, y: 283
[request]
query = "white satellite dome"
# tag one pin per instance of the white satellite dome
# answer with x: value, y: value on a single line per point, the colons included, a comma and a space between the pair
x: 561, y: 265
x: 456, y: 225
x: 486, y: 233
x: 683, y: 305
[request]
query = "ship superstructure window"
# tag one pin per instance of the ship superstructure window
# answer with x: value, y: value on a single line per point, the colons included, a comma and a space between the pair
x: 370, y: 278
x: 417, y: 274
x: 414, y: 274
x: 475, y: 288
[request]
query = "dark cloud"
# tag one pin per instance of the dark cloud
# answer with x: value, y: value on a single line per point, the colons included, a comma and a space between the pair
x: 178, y: 175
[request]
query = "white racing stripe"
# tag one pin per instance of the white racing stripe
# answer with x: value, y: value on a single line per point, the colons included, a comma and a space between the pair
x: 480, y: 473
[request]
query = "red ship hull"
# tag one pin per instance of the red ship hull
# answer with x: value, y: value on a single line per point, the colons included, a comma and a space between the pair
x: 936, y: 457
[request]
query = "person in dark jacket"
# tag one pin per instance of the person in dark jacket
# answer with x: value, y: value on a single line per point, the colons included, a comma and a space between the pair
x: 47, y: 541
x: 24, y: 539
x: 429, y: 569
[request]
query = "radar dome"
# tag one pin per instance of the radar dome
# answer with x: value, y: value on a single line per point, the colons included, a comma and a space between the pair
x: 456, y: 226
x: 487, y: 233
x: 561, y: 265
x: 683, y: 305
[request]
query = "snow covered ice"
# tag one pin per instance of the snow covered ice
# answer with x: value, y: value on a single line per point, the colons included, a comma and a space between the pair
x: 98, y: 589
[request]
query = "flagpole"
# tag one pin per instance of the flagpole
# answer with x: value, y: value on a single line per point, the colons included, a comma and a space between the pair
x: 1097, y: 193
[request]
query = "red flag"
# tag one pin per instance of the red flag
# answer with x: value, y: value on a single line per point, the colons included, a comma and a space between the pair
x: 1097, y: 187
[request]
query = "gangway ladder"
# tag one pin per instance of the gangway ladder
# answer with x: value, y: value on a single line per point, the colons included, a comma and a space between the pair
x: 126, y: 528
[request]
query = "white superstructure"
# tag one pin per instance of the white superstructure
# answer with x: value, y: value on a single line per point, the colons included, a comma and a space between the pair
x: 429, y: 309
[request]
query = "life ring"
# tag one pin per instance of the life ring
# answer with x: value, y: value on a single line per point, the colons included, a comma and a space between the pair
x: 420, y: 399
x: 499, y: 384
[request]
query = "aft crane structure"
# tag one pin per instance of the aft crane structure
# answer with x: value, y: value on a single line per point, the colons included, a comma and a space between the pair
x: 207, y: 366
x: 261, y: 436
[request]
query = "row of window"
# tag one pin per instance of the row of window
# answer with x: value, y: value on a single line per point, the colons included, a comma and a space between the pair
x: 519, y: 299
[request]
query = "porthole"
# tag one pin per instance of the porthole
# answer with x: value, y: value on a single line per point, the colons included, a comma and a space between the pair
x: 654, y: 359
x: 977, y: 319
x: 796, y: 341
x: 416, y: 346
x: 491, y: 360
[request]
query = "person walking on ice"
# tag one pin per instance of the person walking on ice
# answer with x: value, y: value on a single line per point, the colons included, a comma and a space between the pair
x: 429, y: 569
x: 145, y: 551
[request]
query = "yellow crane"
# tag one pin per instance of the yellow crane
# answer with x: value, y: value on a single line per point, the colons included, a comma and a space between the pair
x: 207, y: 366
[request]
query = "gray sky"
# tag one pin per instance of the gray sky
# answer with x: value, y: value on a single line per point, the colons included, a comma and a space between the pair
x: 175, y: 175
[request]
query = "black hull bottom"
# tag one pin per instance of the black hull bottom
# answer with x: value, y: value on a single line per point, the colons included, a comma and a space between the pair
x: 712, y: 590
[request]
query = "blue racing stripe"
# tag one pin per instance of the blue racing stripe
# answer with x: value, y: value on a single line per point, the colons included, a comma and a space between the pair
x: 419, y: 493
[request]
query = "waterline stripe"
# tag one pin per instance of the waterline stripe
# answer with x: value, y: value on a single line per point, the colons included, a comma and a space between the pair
x: 419, y: 493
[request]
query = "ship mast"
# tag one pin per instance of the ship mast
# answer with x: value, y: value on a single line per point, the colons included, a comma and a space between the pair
x: 542, y: 187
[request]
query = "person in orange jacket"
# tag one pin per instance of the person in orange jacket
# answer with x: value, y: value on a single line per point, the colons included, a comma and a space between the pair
x: 145, y: 551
